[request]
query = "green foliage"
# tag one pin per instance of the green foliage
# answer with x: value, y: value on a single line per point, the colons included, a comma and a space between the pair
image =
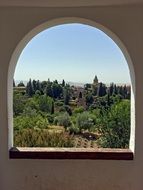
x: 63, y: 120
x: 114, y: 126
x: 101, y: 91
x: 42, y: 104
x: 80, y: 109
x: 63, y: 83
x: 42, y: 138
x: 59, y: 103
x: 57, y: 89
x: 89, y: 99
x: 30, y: 121
x: 48, y: 90
x: 84, y: 121
x: 87, y: 86
x: 67, y: 109
x: 21, y: 84
x: 66, y: 96
x: 37, y: 93
x: 46, y: 104
x: 32, y: 103
x: 19, y: 101
x: 73, y: 129
x: 29, y: 89
x: 50, y: 118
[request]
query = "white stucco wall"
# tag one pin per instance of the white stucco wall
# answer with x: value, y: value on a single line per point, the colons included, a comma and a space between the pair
x: 127, y: 23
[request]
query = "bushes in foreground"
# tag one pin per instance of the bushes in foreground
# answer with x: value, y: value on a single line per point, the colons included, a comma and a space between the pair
x: 30, y: 121
x: 42, y: 138
x: 114, y: 126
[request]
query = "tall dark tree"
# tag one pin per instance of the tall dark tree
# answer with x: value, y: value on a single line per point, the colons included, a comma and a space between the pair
x: 43, y: 85
x: 89, y: 99
x: 57, y: 90
x: 52, y: 107
x: 111, y: 89
x: 66, y: 96
x: 63, y: 83
x: 55, y: 81
x: 29, y: 89
x: 125, y: 91
x: 101, y: 90
x: 80, y: 95
x: 38, y: 85
x: 34, y: 86
x: 48, y: 90
x: 115, y: 91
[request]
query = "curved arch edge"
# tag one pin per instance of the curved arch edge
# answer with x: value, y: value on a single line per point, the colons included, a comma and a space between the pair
x: 51, y: 23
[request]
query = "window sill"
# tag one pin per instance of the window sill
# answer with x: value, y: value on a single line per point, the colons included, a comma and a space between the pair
x: 70, y: 153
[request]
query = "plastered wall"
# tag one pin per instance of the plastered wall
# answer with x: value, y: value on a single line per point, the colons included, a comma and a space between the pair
x: 127, y: 23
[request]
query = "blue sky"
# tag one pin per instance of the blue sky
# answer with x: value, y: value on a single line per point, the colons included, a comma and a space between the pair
x: 75, y: 53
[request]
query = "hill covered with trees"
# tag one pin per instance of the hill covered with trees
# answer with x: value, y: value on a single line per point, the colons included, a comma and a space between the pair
x: 53, y: 114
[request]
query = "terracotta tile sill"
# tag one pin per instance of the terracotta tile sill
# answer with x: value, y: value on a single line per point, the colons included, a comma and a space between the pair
x: 70, y: 153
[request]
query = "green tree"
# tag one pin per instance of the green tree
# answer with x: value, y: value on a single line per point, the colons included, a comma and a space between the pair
x: 46, y: 104
x: 66, y: 96
x: 38, y: 86
x: 30, y: 122
x: 63, y: 83
x: 80, y: 95
x: 84, y: 121
x: 89, y: 99
x: 19, y: 102
x: 48, y: 90
x: 101, y: 91
x: 57, y: 89
x: 79, y: 109
x: 29, y: 89
x: 34, y: 85
x: 115, y: 126
x: 63, y: 120
x: 87, y: 86
x: 21, y: 84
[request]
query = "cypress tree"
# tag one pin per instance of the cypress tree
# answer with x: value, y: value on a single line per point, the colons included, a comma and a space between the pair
x: 101, y: 91
x: 34, y: 86
x: 80, y: 95
x: 63, y: 83
x: 29, y: 89
x: 66, y: 96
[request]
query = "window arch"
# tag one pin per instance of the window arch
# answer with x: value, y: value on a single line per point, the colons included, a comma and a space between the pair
x: 55, y: 22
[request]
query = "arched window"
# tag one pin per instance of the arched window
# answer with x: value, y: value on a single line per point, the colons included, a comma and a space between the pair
x: 79, y: 102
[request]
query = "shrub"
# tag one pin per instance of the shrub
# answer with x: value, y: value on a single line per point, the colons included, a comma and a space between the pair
x: 63, y: 120
x: 74, y: 129
x: 115, y: 126
x: 79, y: 110
x: 35, y: 121
x: 84, y: 121
x: 42, y: 138
x: 50, y: 118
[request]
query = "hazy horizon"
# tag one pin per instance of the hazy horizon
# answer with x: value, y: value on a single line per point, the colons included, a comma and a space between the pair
x: 70, y: 82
